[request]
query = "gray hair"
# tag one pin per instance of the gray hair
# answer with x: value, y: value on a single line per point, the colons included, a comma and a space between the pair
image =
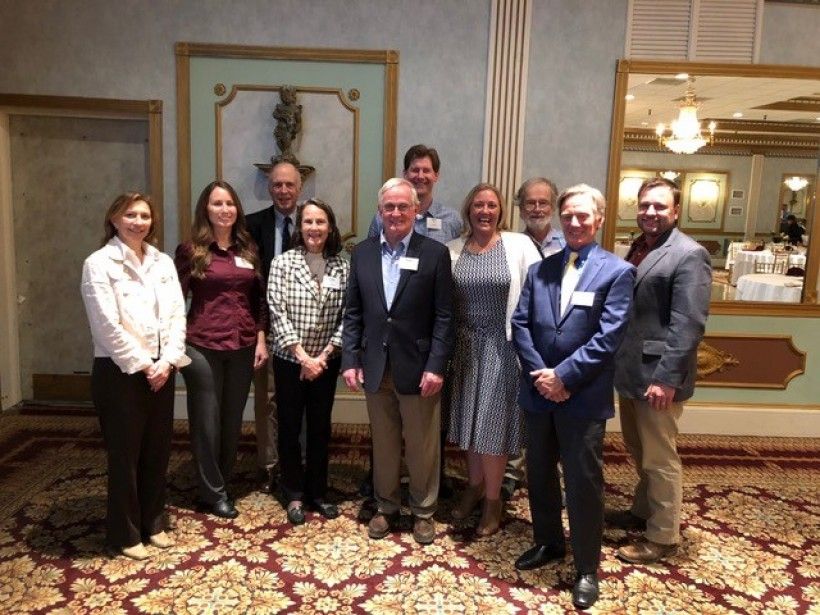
x: 395, y: 182
x: 597, y: 197
x: 534, y: 181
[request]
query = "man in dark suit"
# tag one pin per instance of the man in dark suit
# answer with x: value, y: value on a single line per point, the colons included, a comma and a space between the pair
x: 657, y: 366
x: 271, y: 229
x: 398, y: 335
x: 570, y: 320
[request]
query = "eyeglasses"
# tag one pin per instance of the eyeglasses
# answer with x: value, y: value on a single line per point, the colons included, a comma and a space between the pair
x: 530, y: 205
x: 400, y: 207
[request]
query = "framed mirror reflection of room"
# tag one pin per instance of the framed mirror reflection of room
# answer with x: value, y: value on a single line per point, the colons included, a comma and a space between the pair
x: 742, y: 143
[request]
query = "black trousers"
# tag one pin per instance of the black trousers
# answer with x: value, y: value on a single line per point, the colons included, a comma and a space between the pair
x: 578, y: 444
x: 218, y: 382
x: 136, y: 427
x: 313, y: 400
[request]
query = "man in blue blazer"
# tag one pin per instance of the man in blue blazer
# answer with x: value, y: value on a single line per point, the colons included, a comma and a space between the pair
x: 397, y: 339
x: 570, y: 321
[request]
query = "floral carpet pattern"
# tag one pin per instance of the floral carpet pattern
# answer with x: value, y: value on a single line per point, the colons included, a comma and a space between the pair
x: 751, y: 539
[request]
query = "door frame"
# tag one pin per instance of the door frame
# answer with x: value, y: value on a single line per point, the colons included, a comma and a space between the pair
x: 60, y: 106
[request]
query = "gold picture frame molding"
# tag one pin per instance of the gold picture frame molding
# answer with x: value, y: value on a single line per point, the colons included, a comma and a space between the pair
x: 808, y: 307
x: 185, y: 50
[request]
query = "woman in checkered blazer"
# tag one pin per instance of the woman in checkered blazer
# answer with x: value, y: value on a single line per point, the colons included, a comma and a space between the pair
x: 306, y: 291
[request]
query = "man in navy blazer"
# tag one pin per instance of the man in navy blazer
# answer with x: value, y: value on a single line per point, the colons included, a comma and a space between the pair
x: 397, y: 339
x: 271, y: 229
x: 569, y: 323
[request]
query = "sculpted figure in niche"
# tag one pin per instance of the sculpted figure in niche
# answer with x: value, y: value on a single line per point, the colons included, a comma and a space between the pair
x: 288, y: 115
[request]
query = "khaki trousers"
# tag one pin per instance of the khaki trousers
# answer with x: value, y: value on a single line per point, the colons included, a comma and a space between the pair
x: 264, y: 411
x: 415, y: 420
x: 651, y: 438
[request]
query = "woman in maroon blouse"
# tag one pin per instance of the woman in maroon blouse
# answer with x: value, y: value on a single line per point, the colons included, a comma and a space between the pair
x: 227, y: 321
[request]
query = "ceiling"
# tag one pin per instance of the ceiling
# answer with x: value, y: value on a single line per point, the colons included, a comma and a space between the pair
x: 779, y: 116
x: 657, y: 97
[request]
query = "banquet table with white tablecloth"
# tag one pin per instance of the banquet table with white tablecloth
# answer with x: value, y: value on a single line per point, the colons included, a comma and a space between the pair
x: 769, y: 287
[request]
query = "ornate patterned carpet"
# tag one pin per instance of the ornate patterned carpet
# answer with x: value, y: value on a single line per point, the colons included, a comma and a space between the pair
x: 751, y: 539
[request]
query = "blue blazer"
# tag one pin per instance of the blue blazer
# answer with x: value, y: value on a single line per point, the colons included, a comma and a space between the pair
x: 581, y: 345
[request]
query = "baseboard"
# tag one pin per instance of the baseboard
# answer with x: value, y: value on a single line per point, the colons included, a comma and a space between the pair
x: 698, y: 418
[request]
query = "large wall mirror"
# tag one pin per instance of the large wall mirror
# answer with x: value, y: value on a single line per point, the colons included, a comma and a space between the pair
x: 742, y: 142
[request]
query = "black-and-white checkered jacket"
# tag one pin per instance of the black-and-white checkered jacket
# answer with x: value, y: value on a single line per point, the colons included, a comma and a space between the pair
x: 301, y: 312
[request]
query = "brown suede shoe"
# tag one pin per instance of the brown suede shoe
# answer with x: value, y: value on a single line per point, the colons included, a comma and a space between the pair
x: 380, y: 525
x: 424, y: 531
x: 644, y: 551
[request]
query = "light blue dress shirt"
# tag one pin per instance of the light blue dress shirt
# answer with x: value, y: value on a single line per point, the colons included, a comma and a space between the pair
x: 279, y: 226
x: 553, y: 242
x: 390, y: 266
x: 450, y: 223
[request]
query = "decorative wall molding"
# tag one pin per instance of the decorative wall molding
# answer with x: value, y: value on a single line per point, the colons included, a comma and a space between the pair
x: 749, y: 361
x: 507, y: 69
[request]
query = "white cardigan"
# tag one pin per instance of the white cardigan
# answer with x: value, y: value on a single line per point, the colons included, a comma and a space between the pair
x: 520, y: 252
x: 136, y: 312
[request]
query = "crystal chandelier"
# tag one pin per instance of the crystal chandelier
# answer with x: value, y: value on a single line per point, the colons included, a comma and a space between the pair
x: 795, y: 183
x: 686, y: 137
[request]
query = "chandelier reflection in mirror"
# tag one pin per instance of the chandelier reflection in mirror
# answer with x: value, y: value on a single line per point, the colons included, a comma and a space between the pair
x: 685, y: 135
x: 795, y: 183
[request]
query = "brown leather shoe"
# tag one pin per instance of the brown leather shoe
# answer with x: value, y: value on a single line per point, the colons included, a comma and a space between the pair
x: 424, y: 531
x: 624, y: 520
x: 490, y: 520
x: 644, y: 551
x: 380, y: 525
x: 469, y: 499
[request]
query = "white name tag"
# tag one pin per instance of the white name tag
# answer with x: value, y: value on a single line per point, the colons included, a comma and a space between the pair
x: 331, y: 282
x: 242, y: 263
x: 409, y: 263
x: 580, y: 297
x: 433, y: 224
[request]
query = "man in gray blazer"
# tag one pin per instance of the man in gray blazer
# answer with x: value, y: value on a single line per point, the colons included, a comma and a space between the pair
x: 656, y: 366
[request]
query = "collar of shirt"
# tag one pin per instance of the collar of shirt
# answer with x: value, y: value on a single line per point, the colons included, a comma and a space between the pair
x: 405, y: 241
x: 123, y: 253
x: 642, y: 247
x: 214, y: 247
x: 279, y: 217
x: 583, y: 253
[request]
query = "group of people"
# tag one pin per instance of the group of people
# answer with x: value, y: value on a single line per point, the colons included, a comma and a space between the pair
x: 507, y: 344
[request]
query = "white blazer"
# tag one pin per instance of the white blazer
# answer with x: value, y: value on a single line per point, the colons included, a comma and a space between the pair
x: 521, y: 253
x: 136, y: 311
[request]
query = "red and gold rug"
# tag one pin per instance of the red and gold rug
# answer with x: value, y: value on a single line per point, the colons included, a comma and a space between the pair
x: 751, y: 539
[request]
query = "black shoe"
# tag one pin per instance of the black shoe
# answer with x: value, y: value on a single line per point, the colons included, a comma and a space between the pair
x: 266, y: 480
x: 585, y: 592
x: 624, y: 520
x: 508, y: 487
x: 224, y: 509
x: 366, y: 486
x: 296, y: 515
x: 539, y: 555
x: 328, y: 511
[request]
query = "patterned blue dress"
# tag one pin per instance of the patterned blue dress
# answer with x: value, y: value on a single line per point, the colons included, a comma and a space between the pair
x: 484, y: 412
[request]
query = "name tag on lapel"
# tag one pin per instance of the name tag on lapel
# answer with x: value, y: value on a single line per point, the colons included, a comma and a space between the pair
x: 408, y: 262
x: 242, y: 263
x: 331, y: 282
x: 433, y: 224
x: 583, y: 298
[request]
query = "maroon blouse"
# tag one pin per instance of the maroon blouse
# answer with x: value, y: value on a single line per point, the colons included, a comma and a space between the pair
x: 228, y: 306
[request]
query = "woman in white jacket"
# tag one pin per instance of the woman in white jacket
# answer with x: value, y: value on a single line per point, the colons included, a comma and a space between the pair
x: 489, y: 269
x: 137, y: 318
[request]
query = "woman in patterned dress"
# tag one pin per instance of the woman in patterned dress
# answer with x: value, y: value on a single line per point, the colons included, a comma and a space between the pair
x: 489, y: 268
